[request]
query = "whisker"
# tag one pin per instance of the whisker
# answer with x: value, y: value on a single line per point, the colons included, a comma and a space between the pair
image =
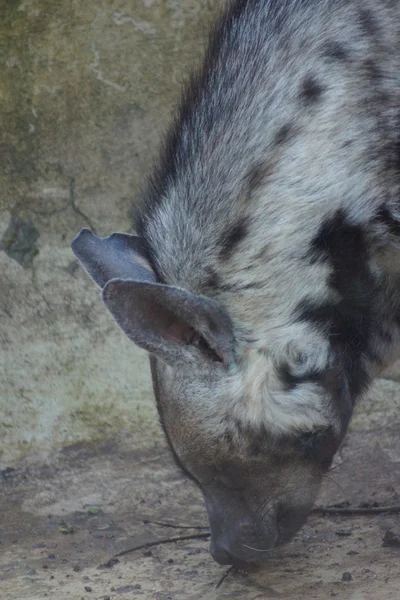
x: 258, y: 549
x: 338, y: 485
x: 348, y: 458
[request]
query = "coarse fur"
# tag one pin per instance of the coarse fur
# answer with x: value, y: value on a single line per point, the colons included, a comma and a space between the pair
x: 271, y: 227
x: 290, y: 130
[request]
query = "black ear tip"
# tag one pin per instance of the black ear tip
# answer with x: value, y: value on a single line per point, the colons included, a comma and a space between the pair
x: 83, y: 233
x: 83, y: 236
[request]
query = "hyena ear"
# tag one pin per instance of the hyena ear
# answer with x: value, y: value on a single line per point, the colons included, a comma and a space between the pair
x: 171, y: 323
x: 119, y: 255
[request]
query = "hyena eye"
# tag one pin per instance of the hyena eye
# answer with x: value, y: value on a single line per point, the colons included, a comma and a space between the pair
x: 198, y: 341
x: 318, y: 445
x: 229, y: 484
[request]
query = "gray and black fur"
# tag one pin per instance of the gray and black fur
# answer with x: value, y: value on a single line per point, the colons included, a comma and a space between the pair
x: 271, y: 231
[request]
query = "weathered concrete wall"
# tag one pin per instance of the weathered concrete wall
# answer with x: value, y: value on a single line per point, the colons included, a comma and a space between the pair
x: 86, y: 88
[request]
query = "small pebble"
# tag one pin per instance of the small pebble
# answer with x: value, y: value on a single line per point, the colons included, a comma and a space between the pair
x: 194, y: 551
x: 109, y: 564
x: 88, y: 588
x: 344, y: 532
x: 347, y: 576
x: 391, y: 540
x: 77, y: 568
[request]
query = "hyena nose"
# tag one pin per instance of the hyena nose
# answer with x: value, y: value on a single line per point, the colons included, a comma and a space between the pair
x: 224, y: 555
x: 220, y: 554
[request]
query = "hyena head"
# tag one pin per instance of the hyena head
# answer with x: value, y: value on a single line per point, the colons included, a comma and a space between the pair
x: 256, y: 444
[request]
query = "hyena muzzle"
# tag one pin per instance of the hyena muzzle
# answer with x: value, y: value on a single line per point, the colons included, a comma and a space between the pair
x: 264, y: 280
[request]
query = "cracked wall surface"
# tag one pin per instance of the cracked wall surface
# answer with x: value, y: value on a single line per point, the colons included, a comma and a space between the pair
x: 86, y: 89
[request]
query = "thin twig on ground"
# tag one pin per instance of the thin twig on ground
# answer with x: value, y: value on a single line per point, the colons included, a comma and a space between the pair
x: 224, y: 576
x: 357, y: 510
x: 172, y: 525
x: 178, y: 538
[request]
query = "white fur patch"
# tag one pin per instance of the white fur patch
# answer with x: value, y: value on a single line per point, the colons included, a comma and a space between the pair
x: 257, y: 398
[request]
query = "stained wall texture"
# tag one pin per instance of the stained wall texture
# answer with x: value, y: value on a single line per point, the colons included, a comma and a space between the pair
x: 86, y: 90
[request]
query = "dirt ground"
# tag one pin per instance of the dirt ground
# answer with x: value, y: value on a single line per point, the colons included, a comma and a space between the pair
x: 65, y: 520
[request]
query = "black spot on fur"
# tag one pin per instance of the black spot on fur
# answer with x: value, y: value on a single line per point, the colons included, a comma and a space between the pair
x: 239, y: 427
x: 347, y: 143
x: 345, y: 246
x: 368, y: 23
x: 283, y: 134
x: 311, y: 90
x: 241, y: 287
x: 232, y: 237
x: 349, y: 331
x: 256, y: 177
x: 290, y: 381
x: 371, y: 71
x: 392, y: 224
x: 350, y: 321
x: 213, y: 281
x: 336, y: 51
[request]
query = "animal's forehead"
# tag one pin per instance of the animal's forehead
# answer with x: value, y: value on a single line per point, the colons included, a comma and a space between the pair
x: 226, y: 447
x: 237, y: 419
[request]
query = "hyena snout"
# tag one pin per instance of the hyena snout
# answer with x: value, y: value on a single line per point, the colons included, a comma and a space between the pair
x: 241, y: 537
x: 226, y: 550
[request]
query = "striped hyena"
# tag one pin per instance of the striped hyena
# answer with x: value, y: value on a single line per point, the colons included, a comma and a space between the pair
x: 264, y: 278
